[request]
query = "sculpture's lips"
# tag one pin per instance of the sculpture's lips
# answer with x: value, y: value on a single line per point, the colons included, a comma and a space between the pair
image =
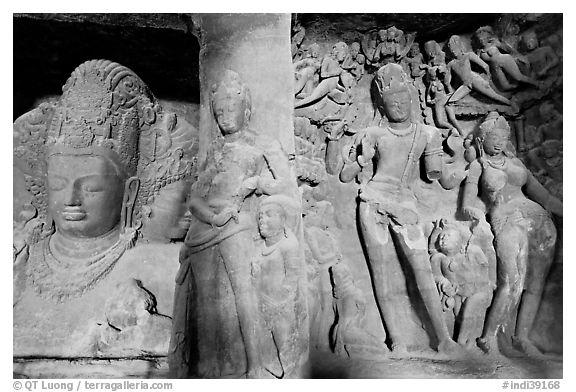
x: 73, y: 214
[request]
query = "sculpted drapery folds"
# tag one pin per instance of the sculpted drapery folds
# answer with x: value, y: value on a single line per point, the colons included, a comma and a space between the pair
x: 91, y: 164
x: 242, y: 166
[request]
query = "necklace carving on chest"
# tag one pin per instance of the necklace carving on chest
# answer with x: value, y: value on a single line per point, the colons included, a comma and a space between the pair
x: 498, y: 162
x: 401, y: 132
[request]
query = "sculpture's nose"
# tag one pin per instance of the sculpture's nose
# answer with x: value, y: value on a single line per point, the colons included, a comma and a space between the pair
x: 73, y: 195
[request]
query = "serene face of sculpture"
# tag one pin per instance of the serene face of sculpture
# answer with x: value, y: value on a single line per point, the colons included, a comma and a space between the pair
x: 449, y: 241
x: 397, y: 106
x: 230, y: 109
x: 495, y: 141
x: 85, y: 194
x: 169, y: 218
x: 271, y: 220
x: 414, y: 50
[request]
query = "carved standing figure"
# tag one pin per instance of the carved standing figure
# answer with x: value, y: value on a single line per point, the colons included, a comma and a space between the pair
x: 524, y: 234
x: 276, y: 271
x: 220, y: 237
x: 389, y: 221
x: 415, y: 59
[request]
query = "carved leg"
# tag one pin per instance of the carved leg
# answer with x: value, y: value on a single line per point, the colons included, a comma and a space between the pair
x: 452, y: 118
x: 460, y: 93
x: 323, y: 88
x: 304, y: 77
x: 520, y: 134
x: 183, y: 352
x: 472, y: 318
x: 439, y: 119
x: 206, y: 267
x: 503, y: 83
x: 540, y: 262
x: 411, y: 240
x: 236, y: 254
x: 381, y: 252
x: 483, y: 87
x: 514, y: 72
x: 511, y: 249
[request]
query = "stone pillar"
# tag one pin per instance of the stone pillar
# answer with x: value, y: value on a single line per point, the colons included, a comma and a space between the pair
x: 257, y: 47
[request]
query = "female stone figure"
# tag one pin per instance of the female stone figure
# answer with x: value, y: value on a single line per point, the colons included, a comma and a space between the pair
x: 471, y: 81
x: 220, y: 238
x: 387, y: 210
x: 504, y: 69
x: 524, y: 234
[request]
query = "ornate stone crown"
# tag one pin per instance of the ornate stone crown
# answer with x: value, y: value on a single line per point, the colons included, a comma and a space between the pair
x: 390, y: 79
x: 105, y: 109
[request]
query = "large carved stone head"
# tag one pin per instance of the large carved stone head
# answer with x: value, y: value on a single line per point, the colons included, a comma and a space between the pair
x: 92, y: 149
x: 231, y: 103
x: 92, y: 159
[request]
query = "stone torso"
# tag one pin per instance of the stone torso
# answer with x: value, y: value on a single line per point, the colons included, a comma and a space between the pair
x: 398, y: 153
x: 235, y: 162
x: 463, y: 69
x: 503, y: 183
x: 44, y: 327
x: 468, y: 273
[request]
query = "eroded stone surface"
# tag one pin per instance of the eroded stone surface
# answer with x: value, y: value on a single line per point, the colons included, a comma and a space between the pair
x: 386, y: 194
